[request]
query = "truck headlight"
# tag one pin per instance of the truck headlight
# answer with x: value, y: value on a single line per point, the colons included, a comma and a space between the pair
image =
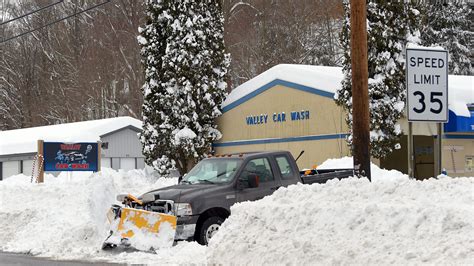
x: 148, y: 197
x: 183, y: 209
x: 121, y: 197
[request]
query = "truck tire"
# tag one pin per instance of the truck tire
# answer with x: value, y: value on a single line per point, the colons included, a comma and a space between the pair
x: 208, y: 228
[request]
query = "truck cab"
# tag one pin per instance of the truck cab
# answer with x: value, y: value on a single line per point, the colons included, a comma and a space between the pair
x: 203, y: 197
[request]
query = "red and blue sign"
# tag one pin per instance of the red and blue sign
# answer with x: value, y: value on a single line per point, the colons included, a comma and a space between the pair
x: 60, y: 156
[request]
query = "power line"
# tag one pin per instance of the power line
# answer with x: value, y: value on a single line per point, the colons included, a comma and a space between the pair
x: 54, y: 22
x: 32, y: 12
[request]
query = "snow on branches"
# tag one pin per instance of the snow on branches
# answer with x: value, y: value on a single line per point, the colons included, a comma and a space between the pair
x: 449, y: 25
x: 391, y: 25
x: 182, y: 47
x: 387, y: 30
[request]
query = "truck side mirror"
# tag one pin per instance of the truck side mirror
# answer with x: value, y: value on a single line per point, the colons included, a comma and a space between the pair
x: 180, y: 178
x: 254, y: 181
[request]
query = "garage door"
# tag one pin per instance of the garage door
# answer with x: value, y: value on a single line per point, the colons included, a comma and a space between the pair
x: 27, y: 167
x: 127, y: 163
x: 140, y: 163
x: 10, y: 168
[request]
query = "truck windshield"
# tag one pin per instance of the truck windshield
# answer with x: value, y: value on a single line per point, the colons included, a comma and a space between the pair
x: 213, y: 171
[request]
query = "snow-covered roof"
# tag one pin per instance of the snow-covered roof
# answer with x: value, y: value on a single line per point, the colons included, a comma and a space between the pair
x: 24, y: 140
x: 461, y: 93
x: 328, y: 79
x: 324, y: 78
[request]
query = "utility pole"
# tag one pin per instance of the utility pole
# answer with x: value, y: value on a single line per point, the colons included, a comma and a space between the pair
x: 360, y: 91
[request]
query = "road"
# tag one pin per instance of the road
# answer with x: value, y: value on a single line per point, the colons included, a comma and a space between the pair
x: 24, y: 259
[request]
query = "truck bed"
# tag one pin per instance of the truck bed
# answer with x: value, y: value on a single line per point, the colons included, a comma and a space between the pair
x: 323, y: 175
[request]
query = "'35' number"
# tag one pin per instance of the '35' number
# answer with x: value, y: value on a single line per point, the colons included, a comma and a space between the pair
x: 433, y: 99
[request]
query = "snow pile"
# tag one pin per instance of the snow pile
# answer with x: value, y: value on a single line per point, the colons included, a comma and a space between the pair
x: 184, y: 253
x: 65, y: 216
x: 391, y: 220
x: 141, y: 238
x: 353, y: 221
x: 376, y: 173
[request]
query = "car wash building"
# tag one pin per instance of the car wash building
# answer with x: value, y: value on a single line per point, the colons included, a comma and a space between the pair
x: 288, y: 107
x: 120, y: 146
x: 292, y: 107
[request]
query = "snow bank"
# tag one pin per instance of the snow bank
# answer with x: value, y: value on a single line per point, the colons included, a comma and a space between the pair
x: 390, y: 221
x: 65, y: 217
x: 187, y: 253
x: 377, y: 174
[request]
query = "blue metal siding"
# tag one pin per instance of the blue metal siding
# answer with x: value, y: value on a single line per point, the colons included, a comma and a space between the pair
x: 279, y: 140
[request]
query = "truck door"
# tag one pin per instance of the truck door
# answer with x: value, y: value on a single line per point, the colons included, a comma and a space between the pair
x: 286, y: 171
x: 267, y: 182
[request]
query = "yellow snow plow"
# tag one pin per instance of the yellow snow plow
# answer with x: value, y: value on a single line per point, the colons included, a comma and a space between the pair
x: 133, y: 225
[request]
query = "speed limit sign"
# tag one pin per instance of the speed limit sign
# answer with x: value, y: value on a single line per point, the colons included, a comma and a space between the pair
x: 427, y: 85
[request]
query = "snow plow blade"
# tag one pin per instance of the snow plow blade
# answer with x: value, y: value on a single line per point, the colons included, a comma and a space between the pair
x: 140, y: 229
x: 143, y: 220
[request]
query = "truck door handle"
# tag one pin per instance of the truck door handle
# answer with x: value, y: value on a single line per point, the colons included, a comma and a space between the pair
x: 275, y: 188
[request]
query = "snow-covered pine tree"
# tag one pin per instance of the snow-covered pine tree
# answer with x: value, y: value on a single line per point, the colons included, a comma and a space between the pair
x: 185, y: 69
x: 388, y: 30
x: 449, y: 25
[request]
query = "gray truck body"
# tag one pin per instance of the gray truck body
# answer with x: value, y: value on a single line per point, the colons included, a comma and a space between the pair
x: 215, y: 199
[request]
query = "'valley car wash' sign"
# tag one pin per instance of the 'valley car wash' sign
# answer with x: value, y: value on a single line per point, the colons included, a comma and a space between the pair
x: 277, y: 117
x: 71, y: 156
x: 427, y: 85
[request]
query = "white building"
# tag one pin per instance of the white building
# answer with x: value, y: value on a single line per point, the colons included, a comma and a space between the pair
x: 121, y: 146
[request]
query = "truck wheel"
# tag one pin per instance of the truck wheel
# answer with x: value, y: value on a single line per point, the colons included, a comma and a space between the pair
x: 209, y: 227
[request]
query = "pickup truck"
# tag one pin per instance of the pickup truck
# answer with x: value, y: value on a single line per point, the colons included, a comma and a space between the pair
x: 202, y: 199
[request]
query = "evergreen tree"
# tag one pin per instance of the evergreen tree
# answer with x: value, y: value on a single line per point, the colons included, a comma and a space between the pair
x: 185, y: 69
x: 390, y: 24
x: 449, y: 25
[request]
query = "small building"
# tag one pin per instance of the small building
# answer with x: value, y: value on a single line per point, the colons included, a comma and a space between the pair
x: 121, y: 148
x: 292, y: 107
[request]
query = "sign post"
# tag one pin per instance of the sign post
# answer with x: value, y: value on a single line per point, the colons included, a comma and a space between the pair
x: 99, y: 155
x: 438, y: 166
x: 427, y: 93
x: 39, y: 162
x: 411, y: 158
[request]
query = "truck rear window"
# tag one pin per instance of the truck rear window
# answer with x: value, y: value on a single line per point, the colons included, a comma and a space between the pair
x: 285, y: 168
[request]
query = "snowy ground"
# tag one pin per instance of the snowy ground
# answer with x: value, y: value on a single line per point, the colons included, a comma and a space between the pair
x: 392, y: 220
